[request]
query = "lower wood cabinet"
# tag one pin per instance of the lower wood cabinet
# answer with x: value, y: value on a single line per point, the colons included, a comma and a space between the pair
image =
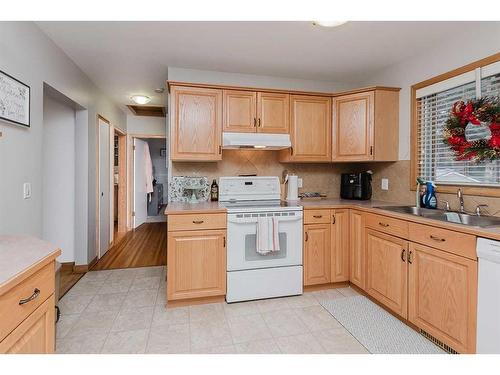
x: 443, y: 296
x: 340, y: 245
x: 196, y: 264
x: 386, y: 270
x: 317, y: 254
x: 357, y: 249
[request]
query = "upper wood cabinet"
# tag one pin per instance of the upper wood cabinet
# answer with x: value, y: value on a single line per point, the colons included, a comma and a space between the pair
x: 340, y: 245
x: 443, y: 296
x: 195, y: 124
x: 310, y: 130
x: 317, y: 259
x: 386, y: 272
x: 250, y: 112
x: 240, y: 108
x: 357, y: 248
x: 366, y: 126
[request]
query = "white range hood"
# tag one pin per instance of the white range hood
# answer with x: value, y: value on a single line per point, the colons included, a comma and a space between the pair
x: 258, y: 141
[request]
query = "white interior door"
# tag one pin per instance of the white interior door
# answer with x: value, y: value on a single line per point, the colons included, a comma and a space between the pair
x: 140, y: 195
x: 104, y: 187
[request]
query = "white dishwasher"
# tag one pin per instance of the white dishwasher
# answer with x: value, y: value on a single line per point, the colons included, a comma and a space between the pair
x: 488, y: 297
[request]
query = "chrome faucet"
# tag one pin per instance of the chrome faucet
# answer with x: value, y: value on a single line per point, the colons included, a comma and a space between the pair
x: 460, y: 196
x: 478, y: 209
x: 446, y: 205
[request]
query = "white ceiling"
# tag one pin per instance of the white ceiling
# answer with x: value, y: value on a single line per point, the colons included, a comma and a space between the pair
x: 126, y: 58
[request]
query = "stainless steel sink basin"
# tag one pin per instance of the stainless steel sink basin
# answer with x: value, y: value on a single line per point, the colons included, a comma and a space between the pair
x: 441, y: 215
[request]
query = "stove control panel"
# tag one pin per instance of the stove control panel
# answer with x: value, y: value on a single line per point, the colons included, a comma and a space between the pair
x: 249, y: 188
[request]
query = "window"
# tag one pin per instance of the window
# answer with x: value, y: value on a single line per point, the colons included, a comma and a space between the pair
x: 435, y: 160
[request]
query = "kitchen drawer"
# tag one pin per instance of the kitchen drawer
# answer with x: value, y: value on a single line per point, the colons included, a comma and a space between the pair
x: 196, y: 222
x: 317, y: 217
x: 444, y: 239
x: 12, y: 312
x: 394, y: 227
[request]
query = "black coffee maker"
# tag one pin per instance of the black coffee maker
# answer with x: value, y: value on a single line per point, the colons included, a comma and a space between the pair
x: 356, y: 185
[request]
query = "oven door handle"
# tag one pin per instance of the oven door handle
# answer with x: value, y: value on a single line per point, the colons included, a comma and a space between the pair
x: 253, y: 220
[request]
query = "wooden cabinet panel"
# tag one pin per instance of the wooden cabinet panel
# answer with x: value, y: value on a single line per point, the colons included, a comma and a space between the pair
x: 443, y: 296
x: 448, y: 240
x: 353, y: 127
x: 35, y: 335
x: 195, y: 124
x: 340, y: 245
x: 386, y: 270
x: 317, y: 216
x: 310, y: 130
x: 387, y: 225
x: 12, y: 312
x: 273, y: 112
x: 357, y: 249
x: 240, y: 111
x: 317, y: 256
x: 196, y: 222
x: 197, y: 264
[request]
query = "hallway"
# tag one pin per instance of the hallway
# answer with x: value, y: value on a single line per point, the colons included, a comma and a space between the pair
x: 143, y: 247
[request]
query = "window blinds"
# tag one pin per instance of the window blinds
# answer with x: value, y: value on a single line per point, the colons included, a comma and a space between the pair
x: 436, y: 160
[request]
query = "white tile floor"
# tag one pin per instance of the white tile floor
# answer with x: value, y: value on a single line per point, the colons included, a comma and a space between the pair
x: 123, y: 311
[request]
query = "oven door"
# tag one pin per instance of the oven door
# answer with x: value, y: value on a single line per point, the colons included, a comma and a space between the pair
x: 242, y: 238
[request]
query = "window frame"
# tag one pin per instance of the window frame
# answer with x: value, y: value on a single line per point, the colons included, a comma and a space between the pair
x: 486, y: 191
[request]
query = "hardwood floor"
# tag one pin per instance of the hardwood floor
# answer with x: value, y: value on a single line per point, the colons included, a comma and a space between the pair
x: 142, y: 247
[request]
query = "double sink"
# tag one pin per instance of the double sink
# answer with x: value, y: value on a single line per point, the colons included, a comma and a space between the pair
x: 448, y: 216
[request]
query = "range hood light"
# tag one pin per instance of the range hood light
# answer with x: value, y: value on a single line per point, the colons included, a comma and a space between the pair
x: 259, y: 146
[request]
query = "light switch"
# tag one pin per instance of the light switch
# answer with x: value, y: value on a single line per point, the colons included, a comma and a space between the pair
x: 26, y: 190
x: 299, y: 183
x: 385, y: 184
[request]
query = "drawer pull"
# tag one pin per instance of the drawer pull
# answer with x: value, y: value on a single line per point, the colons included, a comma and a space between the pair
x: 385, y: 225
x: 198, y: 221
x: 437, y: 238
x: 35, y: 294
x: 318, y: 216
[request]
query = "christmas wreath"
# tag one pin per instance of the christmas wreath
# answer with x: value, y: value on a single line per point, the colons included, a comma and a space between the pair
x: 472, y: 130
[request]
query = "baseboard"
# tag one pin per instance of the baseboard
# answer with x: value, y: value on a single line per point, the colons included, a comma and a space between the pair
x: 312, y: 288
x: 67, y: 266
x: 84, y: 268
x: 195, y: 301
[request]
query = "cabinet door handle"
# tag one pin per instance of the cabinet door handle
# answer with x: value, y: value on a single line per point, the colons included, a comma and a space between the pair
x: 258, y: 122
x: 254, y: 122
x: 198, y: 221
x: 439, y: 239
x: 35, y: 294
x: 385, y: 225
x: 409, y: 257
x: 307, y: 236
x: 220, y: 149
x: 291, y: 150
x: 333, y: 219
x: 224, y: 239
x: 318, y: 216
x: 403, y: 255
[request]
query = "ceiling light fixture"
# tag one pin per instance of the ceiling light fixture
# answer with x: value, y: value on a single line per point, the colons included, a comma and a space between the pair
x: 329, y: 23
x: 141, y: 99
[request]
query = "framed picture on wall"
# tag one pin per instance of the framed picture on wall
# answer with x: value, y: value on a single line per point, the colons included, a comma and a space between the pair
x: 14, y: 100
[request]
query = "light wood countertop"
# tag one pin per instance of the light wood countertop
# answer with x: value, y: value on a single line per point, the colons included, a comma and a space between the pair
x: 21, y: 253
x: 180, y: 208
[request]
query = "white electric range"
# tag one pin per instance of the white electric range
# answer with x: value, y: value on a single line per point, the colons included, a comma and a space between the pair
x: 251, y: 275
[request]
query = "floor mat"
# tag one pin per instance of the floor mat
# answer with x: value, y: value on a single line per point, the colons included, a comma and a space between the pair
x: 376, y: 329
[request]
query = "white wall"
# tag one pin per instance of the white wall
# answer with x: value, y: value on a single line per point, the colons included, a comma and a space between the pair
x: 251, y: 80
x: 30, y: 56
x: 456, y: 52
x: 145, y: 125
x: 58, y: 182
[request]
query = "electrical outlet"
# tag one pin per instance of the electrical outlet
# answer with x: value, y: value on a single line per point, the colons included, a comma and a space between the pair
x: 299, y: 183
x: 385, y: 184
x: 26, y: 190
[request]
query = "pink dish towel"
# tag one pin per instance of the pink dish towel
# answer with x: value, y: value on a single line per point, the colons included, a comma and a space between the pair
x: 267, y: 235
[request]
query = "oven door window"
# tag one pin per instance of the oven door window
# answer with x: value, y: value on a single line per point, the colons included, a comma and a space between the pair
x: 251, y: 253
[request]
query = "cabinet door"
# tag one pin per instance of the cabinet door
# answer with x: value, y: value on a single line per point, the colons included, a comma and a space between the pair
x: 36, y: 334
x: 240, y: 111
x: 353, y: 127
x: 357, y: 249
x: 273, y: 112
x: 340, y: 245
x: 317, y: 254
x: 310, y: 130
x: 195, y: 124
x: 197, y: 264
x: 443, y: 296
x: 386, y: 270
